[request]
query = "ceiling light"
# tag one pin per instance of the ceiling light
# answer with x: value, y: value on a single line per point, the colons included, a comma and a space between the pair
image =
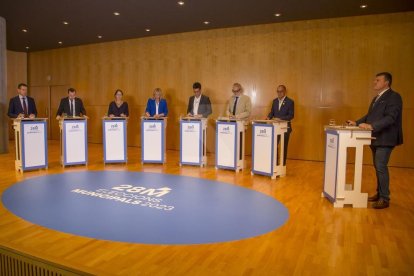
x: 99, y: 36
x: 181, y: 3
x: 27, y: 47
x: 24, y: 30
x: 206, y: 22
x: 65, y: 23
x: 147, y: 30
x: 60, y: 42
x: 278, y: 14
x: 116, y: 13
x: 363, y: 6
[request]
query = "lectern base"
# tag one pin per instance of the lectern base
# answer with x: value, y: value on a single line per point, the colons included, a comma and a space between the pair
x: 350, y: 197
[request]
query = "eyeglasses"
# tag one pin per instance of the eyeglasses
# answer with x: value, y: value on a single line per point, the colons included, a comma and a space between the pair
x: 280, y: 91
x: 235, y: 91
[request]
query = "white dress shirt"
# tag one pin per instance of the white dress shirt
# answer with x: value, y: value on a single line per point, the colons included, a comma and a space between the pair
x: 281, y: 101
x: 196, y: 104
x: 156, y: 107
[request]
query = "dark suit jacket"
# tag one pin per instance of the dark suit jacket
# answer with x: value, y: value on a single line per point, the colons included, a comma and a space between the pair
x: 385, y: 116
x: 64, y: 107
x: 16, y: 108
x: 204, y: 107
x: 113, y: 109
x: 286, y: 112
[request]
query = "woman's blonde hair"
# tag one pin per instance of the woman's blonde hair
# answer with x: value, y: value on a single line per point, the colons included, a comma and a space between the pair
x: 157, y: 90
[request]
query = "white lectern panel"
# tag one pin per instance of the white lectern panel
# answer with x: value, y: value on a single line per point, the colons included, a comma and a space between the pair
x: 34, y: 145
x: 152, y: 141
x: 331, y: 165
x: 263, y: 151
x: 75, y: 142
x: 226, y: 145
x: 114, y: 141
x: 190, y: 142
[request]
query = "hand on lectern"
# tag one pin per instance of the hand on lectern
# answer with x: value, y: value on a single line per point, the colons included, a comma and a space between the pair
x: 366, y: 126
x: 31, y: 116
x: 351, y: 123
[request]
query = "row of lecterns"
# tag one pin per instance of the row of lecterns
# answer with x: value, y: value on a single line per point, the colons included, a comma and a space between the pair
x: 267, y: 148
x: 31, y: 143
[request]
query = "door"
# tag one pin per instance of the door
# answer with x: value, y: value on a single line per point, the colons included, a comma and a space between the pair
x: 41, y: 95
x: 57, y: 92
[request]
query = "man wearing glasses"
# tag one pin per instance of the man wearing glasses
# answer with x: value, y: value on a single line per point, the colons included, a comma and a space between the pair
x: 240, y: 105
x: 283, y: 108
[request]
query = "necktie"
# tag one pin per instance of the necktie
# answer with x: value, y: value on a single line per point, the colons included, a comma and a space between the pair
x: 234, y: 106
x: 24, y: 106
x: 71, y: 108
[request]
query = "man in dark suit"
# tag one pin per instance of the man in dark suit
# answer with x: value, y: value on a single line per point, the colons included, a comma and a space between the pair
x: 71, y: 105
x: 283, y: 108
x: 384, y: 118
x: 22, y: 105
x: 199, y: 106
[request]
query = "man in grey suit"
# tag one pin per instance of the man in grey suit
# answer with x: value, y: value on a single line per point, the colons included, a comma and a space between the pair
x: 384, y: 118
x: 199, y: 105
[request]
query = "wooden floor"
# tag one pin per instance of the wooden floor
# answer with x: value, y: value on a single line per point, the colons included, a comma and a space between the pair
x: 316, y: 240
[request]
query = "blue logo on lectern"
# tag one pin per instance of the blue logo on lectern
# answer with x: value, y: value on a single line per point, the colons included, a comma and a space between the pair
x: 144, y: 207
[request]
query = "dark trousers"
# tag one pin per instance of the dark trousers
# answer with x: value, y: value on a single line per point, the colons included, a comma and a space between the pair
x: 287, y: 135
x: 381, y: 156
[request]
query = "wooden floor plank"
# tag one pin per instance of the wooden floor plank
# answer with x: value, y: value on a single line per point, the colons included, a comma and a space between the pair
x: 317, y: 238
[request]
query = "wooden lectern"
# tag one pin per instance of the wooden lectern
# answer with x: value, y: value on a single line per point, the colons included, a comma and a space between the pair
x: 267, y: 153
x: 338, y: 139
x: 31, y: 143
x: 230, y: 143
x: 115, y: 139
x: 153, y: 139
x: 73, y: 141
x: 193, y: 141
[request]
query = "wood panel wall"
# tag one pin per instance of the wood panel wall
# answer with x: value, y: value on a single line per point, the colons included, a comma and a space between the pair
x: 16, y: 73
x: 327, y: 65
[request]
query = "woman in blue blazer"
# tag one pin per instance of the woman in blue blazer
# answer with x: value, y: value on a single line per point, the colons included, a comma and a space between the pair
x: 156, y: 106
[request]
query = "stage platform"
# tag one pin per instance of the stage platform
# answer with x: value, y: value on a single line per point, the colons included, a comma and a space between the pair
x: 316, y: 239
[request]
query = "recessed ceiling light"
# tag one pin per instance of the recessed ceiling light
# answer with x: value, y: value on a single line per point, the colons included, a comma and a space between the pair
x: 24, y: 30
x: 27, y: 47
x: 181, y: 3
x: 65, y: 23
x: 147, y: 30
x: 99, y: 36
x: 116, y: 13
x: 278, y: 14
x: 363, y: 6
x: 60, y: 42
x: 206, y: 22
